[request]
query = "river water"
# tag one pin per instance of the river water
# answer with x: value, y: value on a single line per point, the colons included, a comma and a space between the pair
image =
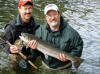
x: 82, y: 15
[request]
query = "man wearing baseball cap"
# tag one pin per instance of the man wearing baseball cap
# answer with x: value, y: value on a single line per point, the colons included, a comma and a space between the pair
x: 23, y: 23
x: 23, y: 2
x: 59, y: 33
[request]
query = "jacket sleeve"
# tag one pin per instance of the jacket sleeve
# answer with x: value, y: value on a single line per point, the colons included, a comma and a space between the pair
x: 7, y: 37
x: 77, y: 45
x: 37, y: 34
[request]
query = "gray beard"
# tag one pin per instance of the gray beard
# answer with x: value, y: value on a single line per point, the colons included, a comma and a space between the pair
x: 53, y: 24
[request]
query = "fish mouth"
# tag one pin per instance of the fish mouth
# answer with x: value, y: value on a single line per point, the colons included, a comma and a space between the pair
x: 20, y: 37
x: 22, y: 34
x: 23, y: 39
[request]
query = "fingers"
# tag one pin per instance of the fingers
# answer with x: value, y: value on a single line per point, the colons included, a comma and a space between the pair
x: 62, y: 57
x: 13, y: 49
x: 32, y: 44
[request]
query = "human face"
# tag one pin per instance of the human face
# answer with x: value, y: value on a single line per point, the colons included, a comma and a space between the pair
x: 25, y: 12
x: 53, y: 18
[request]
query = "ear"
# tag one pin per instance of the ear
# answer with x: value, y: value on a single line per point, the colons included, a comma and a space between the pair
x: 19, y: 9
x: 45, y: 17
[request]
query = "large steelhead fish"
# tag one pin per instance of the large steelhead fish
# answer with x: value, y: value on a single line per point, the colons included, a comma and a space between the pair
x: 49, y: 49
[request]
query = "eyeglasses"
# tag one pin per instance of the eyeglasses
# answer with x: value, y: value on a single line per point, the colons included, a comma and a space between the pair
x: 53, y: 15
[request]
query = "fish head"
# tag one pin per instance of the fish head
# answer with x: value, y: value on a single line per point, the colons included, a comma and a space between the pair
x: 24, y: 37
x: 24, y: 34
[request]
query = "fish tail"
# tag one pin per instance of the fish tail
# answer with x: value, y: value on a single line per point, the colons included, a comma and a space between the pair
x: 77, y: 62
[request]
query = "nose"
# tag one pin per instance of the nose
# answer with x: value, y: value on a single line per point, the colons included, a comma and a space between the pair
x: 27, y: 11
x: 52, y: 17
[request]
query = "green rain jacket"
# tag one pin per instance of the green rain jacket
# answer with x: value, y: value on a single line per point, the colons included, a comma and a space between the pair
x: 65, y: 39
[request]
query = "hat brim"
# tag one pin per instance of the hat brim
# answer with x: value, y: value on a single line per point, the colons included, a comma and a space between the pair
x: 51, y: 9
x: 23, y: 3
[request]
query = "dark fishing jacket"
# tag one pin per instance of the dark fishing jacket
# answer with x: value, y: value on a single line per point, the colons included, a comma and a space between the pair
x: 66, y: 39
x: 14, y: 29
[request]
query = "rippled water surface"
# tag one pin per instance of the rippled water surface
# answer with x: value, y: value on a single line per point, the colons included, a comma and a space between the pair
x: 82, y: 15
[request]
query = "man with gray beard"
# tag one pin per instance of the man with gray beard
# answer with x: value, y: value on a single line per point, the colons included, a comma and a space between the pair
x: 57, y: 32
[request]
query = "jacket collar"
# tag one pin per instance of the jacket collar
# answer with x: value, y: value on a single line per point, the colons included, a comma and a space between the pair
x: 19, y: 21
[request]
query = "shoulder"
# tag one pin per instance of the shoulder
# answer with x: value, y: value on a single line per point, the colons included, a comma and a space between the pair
x: 74, y: 35
x: 10, y: 27
x: 36, y: 22
x: 13, y: 21
x: 41, y: 30
x: 43, y: 27
x: 70, y: 31
x: 10, y: 24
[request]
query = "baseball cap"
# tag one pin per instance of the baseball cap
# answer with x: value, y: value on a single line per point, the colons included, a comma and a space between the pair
x: 23, y: 2
x: 50, y: 7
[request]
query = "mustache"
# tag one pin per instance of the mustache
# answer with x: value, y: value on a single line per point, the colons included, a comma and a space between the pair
x: 27, y: 13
